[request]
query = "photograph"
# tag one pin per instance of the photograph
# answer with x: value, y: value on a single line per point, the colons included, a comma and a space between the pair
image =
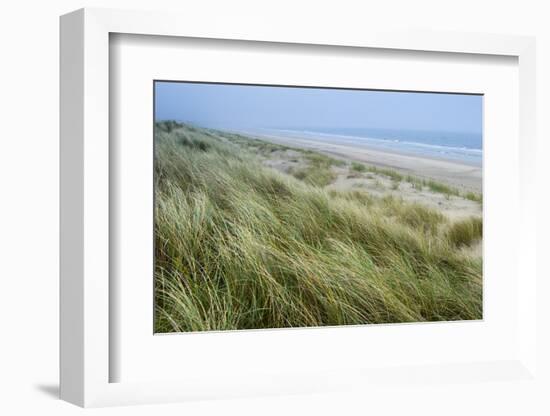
x: 283, y: 206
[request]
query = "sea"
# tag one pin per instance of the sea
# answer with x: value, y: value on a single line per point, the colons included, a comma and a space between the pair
x: 458, y: 146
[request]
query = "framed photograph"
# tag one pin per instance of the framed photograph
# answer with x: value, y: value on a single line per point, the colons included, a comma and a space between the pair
x: 293, y: 207
x: 272, y: 212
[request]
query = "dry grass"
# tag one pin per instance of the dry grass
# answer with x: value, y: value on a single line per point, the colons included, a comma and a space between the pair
x: 240, y: 246
x: 466, y: 232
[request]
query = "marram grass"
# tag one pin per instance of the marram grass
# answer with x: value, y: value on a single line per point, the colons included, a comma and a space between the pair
x: 241, y: 246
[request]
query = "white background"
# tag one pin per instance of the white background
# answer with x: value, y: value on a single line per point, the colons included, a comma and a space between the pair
x: 136, y: 61
x: 29, y: 205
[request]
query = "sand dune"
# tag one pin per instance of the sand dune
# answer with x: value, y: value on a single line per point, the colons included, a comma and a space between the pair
x: 455, y: 173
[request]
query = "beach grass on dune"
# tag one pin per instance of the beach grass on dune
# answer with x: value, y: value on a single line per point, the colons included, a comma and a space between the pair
x: 465, y: 232
x: 242, y: 246
x: 358, y: 167
x: 472, y: 196
x: 417, y: 183
x: 318, y: 170
x: 390, y: 173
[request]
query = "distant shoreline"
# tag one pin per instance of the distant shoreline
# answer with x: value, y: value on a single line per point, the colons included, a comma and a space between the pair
x: 452, y: 172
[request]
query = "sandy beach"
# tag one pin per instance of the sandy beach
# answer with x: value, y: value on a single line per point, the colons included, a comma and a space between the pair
x: 460, y: 175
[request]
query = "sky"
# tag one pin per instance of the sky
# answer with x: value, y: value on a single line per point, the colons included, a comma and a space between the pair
x: 249, y: 106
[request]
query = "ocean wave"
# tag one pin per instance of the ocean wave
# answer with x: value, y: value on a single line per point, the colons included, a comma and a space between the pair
x: 387, y: 141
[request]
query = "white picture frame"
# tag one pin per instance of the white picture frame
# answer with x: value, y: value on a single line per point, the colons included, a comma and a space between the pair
x: 86, y: 356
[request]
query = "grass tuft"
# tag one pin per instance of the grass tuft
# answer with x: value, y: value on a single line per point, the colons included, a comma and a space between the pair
x: 358, y: 167
x: 390, y: 173
x: 318, y: 171
x: 472, y: 196
x: 465, y: 232
x: 442, y: 188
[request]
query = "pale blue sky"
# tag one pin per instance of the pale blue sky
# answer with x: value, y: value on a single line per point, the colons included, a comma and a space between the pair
x: 245, y: 106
